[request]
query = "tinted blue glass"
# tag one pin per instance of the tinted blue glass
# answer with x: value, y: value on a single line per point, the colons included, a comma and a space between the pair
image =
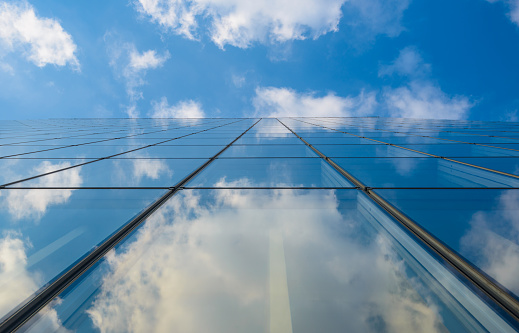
x: 16, y: 169
x: 421, y: 172
x: 138, y: 172
x: 505, y: 164
x: 365, y: 151
x: 162, y: 151
x: 482, y: 225
x: 261, y: 260
x: 195, y: 141
x: 262, y: 172
x: 352, y: 140
x: 268, y: 141
x: 45, y: 231
x: 481, y: 139
x: 170, y: 151
x: 268, y: 151
x: 462, y: 150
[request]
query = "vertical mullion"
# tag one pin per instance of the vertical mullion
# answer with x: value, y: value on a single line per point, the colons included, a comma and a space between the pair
x: 48, y: 293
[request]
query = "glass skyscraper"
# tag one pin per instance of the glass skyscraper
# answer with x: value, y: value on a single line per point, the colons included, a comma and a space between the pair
x: 259, y: 225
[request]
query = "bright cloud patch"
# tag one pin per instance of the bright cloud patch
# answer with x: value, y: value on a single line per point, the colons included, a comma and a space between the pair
x: 281, y: 102
x: 183, y: 109
x: 493, y: 241
x: 208, y: 257
x: 42, y: 40
x: 240, y: 23
x: 21, y: 283
x: 33, y: 203
x: 131, y: 66
x: 513, y: 6
x: 427, y: 101
x: 420, y: 97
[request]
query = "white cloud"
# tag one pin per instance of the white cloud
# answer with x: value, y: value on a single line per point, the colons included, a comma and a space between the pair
x: 513, y: 7
x: 41, y: 40
x: 369, y: 18
x: 238, y: 80
x: 17, y: 283
x: 424, y: 100
x: 281, y: 102
x: 146, y: 60
x: 33, y: 203
x: 493, y: 241
x: 208, y: 257
x: 131, y: 66
x: 408, y: 63
x: 241, y: 23
x: 149, y: 168
x: 421, y: 97
x: 183, y: 109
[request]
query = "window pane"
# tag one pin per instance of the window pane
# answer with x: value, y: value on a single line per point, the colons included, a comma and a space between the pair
x: 262, y: 260
x: 421, y: 172
x: 261, y: 172
x: 43, y: 232
x: 137, y: 172
x: 481, y: 225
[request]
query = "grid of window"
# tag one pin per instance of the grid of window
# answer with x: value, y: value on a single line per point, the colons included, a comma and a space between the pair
x: 243, y: 224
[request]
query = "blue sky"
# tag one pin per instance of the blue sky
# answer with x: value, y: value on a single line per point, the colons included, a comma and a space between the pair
x: 235, y: 58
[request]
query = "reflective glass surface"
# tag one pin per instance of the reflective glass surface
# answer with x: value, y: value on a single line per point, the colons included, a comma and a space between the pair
x: 43, y: 232
x: 365, y: 151
x: 261, y: 172
x: 505, y: 164
x: 276, y: 261
x: 269, y: 151
x: 481, y: 225
x: 465, y: 150
x: 135, y: 172
x: 421, y: 172
x: 268, y: 236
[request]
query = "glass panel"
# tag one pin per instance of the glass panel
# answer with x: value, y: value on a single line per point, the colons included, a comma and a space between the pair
x: 270, y: 261
x: 421, y: 172
x: 163, y: 151
x: 268, y: 141
x: 365, y: 151
x: 92, y: 151
x: 43, y: 232
x: 262, y: 172
x: 269, y: 151
x: 505, y: 164
x: 351, y: 140
x: 16, y: 169
x: 138, y: 172
x: 481, y: 225
x: 464, y: 150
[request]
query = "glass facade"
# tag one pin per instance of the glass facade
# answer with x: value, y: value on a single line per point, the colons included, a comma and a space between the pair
x: 259, y: 225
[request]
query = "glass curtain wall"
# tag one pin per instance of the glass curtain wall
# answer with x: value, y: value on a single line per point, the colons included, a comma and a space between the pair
x: 259, y: 225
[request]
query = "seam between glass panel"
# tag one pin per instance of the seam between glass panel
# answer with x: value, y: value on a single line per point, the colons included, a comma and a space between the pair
x: 48, y: 293
x: 416, y: 151
x: 89, y: 143
x: 500, y: 296
x: 110, y: 156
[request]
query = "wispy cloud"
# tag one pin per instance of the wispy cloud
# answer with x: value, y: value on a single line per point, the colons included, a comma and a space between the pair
x: 41, y: 40
x: 131, y: 66
x: 33, y: 203
x: 183, y: 109
x: 513, y: 9
x: 242, y: 23
x: 18, y: 283
x: 420, y: 97
x: 198, y: 252
x: 280, y: 102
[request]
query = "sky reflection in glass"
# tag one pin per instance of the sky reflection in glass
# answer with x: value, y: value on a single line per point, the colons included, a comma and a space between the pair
x: 269, y: 260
